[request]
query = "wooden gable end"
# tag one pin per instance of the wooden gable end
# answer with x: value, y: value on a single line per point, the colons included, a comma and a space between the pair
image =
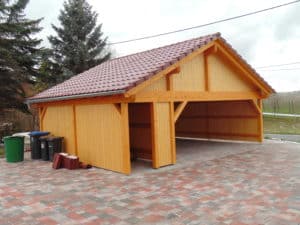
x: 191, y: 76
x: 208, y: 71
x: 224, y: 77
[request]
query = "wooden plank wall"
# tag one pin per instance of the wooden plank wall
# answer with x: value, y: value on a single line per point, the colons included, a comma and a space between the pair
x: 140, y: 130
x: 99, y: 136
x: 191, y: 76
x: 163, y: 151
x: 223, y: 77
x: 229, y: 120
x: 96, y: 133
x: 59, y: 121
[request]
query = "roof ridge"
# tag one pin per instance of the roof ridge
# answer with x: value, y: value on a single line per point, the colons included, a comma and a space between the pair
x: 214, y: 36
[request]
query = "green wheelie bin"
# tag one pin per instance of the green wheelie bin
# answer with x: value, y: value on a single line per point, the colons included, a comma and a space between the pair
x: 14, y: 148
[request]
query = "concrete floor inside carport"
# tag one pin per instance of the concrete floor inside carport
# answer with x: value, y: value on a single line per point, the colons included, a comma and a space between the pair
x: 197, y: 150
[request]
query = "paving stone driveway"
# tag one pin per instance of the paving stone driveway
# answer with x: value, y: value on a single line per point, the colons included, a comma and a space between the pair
x: 213, y: 183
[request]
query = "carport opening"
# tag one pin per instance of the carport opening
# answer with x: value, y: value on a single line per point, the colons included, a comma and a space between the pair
x: 140, y: 132
x: 219, y: 120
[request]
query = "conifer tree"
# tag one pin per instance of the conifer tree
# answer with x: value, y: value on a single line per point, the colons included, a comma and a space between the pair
x: 79, y: 44
x: 19, y: 53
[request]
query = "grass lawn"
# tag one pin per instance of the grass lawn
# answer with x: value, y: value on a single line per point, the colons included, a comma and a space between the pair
x: 1, y: 152
x: 281, y: 125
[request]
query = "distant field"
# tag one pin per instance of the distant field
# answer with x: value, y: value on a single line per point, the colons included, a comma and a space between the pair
x: 281, y: 125
x: 288, y: 102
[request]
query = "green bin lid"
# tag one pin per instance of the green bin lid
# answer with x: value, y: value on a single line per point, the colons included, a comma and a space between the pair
x: 12, y: 137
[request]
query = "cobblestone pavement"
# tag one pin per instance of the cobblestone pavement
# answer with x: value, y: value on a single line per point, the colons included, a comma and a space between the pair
x: 212, y: 183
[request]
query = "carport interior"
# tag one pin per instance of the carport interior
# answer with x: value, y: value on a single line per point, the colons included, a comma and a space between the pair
x: 140, y: 132
x: 227, y: 120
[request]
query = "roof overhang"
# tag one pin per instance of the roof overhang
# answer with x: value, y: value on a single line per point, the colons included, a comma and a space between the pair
x: 70, y: 97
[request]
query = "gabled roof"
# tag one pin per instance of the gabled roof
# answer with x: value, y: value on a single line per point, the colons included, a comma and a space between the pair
x: 118, y: 75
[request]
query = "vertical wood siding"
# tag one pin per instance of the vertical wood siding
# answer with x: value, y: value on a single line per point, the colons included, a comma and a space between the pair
x: 99, y: 136
x: 224, y: 78
x: 162, y: 146
x: 191, y: 76
x: 160, y: 85
x: 59, y: 121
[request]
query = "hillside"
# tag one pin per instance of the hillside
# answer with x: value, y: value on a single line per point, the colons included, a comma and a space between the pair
x: 283, y: 102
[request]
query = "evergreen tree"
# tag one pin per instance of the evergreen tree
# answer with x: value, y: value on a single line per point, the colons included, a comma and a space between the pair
x: 19, y: 53
x: 50, y: 72
x: 79, y: 44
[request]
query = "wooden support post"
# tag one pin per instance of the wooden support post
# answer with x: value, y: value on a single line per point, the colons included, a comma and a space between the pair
x: 172, y: 132
x: 206, y: 73
x: 155, y: 159
x: 125, y: 137
x: 169, y: 83
x: 179, y: 110
x: 258, y: 108
x: 75, y: 130
x: 260, y: 121
x: 170, y: 78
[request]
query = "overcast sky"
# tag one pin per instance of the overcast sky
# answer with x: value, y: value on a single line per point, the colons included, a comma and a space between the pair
x: 269, y: 38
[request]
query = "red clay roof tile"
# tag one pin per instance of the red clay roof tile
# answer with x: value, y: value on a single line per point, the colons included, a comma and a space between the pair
x: 120, y: 74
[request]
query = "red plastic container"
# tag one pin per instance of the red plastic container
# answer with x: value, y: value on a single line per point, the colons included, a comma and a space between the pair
x: 57, y: 161
x: 71, y: 162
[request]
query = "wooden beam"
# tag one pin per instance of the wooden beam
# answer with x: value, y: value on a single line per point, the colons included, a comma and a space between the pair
x: 125, y: 137
x: 155, y: 155
x: 179, y: 110
x: 170, y: 83
x: 155, y: 96
x: 118, y: 107
x: 180, y: 96
x: 75, y: 129
x: 218, y: 134
x: 164, y: 72
x: 174, y: 71
x: 219, y: 117
x: 170, y: 78
x: 213, y: 49
x: 89, y: 101
x: 172, y: 133
x: 256, y: 107
x: 206, y: 73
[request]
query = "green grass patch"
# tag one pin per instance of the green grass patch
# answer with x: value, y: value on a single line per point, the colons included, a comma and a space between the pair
x: 1, y: 152
x: 281, y: 125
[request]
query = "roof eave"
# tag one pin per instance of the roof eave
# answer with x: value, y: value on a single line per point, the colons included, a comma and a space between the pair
x: 71, y: 97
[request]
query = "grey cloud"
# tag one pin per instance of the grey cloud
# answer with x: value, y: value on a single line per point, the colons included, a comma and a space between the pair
x: 288, y: 25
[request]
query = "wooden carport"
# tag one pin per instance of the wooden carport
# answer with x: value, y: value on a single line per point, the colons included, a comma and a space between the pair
x: 136, y: 105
